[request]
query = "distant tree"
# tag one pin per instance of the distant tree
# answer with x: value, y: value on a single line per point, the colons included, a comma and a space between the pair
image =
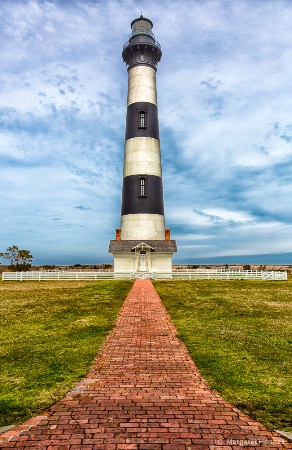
x: 25, y: 260
x: 11, y: 254
x: 19, y: 259
x: 48, y: 266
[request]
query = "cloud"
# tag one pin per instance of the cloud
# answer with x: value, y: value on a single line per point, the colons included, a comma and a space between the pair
x: 82, y: 208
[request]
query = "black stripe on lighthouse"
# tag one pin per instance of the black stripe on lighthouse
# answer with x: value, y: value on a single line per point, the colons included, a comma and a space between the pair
x: 142, y: 194
x: 142, y: 121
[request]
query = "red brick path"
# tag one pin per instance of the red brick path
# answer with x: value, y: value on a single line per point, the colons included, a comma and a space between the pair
x: 144, y: 393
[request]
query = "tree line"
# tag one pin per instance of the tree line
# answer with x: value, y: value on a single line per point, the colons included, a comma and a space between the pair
x: 19, y: 259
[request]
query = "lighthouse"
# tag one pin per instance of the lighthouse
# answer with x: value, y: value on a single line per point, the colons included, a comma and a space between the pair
x: 142, y: 244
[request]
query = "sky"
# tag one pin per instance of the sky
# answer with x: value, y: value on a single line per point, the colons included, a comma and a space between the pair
x: 224, y: 96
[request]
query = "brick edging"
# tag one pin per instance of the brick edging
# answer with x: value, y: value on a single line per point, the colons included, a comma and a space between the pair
x: 18, y: 429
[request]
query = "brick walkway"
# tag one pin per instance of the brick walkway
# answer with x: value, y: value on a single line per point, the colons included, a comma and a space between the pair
x: 143, y: 393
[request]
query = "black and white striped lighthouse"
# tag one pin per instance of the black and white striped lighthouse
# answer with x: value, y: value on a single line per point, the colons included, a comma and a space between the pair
x: 142, y: 242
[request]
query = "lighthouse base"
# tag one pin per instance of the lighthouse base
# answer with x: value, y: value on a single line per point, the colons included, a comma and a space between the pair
x: 126, y: 262
x: 142, y: 256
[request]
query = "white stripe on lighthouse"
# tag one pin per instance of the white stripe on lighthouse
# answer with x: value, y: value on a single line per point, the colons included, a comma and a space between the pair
x: 142, y: 156
x: 142, y: 85
x: 142, y: 227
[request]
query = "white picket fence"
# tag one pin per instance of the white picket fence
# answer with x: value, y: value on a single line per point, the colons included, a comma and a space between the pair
x: 59, y: 275
x: 219, y: 274
x: 191, y: 274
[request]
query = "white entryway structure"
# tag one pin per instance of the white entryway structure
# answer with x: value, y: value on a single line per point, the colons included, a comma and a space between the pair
x: 141, y: 256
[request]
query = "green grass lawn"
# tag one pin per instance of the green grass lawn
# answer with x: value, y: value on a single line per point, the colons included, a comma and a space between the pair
x: 239, y: 333
x: 50, y: 333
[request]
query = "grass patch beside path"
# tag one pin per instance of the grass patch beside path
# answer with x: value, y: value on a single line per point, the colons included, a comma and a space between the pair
x: 239, y: 333
x: 50, y: 333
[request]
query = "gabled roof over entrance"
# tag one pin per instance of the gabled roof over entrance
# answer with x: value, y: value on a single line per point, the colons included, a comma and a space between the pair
x: 142, y: 246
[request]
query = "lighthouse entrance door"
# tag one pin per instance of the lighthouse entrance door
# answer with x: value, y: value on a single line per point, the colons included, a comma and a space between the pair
x: 142, y: 257
x: 143, y: 261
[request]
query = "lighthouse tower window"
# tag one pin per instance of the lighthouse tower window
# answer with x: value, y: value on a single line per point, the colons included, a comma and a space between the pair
x: 142, y: 187
x: 142, y: 119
